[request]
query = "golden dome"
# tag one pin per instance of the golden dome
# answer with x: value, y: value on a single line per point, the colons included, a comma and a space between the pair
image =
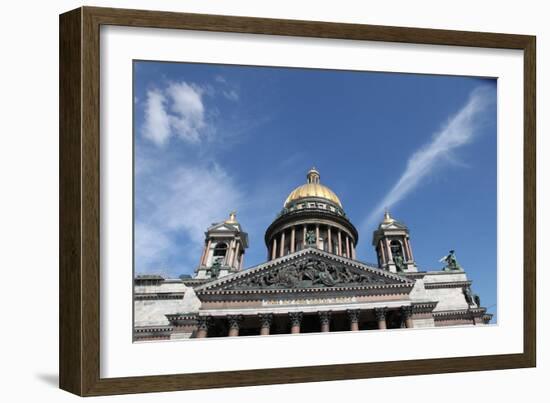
x: 313, y: 188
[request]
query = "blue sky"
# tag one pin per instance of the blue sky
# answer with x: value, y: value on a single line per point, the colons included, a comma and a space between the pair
x: 214, y: 138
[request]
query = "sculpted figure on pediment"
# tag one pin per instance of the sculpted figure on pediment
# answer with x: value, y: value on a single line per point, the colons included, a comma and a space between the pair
x: 310, y: 273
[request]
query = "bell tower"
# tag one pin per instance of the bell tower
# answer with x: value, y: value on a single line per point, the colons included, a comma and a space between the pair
x: 224, y: 248
x: 392, y: 244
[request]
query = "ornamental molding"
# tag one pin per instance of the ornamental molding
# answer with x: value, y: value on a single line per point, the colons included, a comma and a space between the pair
x: 423, y: 307
x: 415, y: 275
x: 159, y: 329
x: 460, y: 314
x: 449, y: 284
x: 147, y: 297
x: 307, y: 270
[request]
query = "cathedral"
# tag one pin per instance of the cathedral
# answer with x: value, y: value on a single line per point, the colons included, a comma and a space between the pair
x: 311, y: 280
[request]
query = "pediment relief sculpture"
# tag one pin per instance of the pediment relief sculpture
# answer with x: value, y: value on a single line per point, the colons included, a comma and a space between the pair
x: 311, y: 273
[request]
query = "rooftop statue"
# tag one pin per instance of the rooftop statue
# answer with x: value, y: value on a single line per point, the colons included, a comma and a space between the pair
x: 215, y: 269
x: 399, y: 263
x: 452, y: 263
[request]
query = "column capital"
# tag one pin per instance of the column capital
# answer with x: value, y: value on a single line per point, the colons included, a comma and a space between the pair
x: 234, y: 321
x: 324, y: 317
x: 203, y: 322
x: 407, y: 311
x: 380, y: 313
x: 353, y: 315
x: 265, y: 319
x: 295, y: 318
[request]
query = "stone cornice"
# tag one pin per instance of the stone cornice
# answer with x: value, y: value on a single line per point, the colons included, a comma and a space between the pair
x: 387, y: 287
x: 415, y: 275
x: 450, y: 284
x: 156, y: 329
x: 167, y: 296
x: 423, y: 307
x: 460, y: 314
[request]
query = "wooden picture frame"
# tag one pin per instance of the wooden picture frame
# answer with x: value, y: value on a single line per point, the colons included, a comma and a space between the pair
x: 79, y: 346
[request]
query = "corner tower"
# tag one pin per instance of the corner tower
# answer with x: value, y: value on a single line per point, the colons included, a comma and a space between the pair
x: 224, y: 248
x: 312, y: 217
x: 392, y: 244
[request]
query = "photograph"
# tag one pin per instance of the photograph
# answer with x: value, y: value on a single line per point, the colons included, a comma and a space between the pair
x: 278, y: 201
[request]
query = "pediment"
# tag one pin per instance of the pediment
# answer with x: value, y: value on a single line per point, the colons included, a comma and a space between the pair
x: 309, y: 269
x: 395, y: 225
x: 224, y: 227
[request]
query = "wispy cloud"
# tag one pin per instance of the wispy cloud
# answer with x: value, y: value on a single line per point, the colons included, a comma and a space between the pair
x: 231, y: 94
x: 175, y: 111
x: 175, y: 208
x: 458, y: 131
x: 178, y: 110
x: 157, y: 122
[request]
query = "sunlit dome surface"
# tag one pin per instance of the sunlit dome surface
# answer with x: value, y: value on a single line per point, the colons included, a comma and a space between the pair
x: 312, y: 188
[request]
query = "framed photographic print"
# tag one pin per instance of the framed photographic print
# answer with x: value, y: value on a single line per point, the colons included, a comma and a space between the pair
x: 250, y: 201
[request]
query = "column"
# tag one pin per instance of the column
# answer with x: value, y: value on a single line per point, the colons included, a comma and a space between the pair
x: 274, y: 249
x: 241, y: 260
x: 235, y: 260
x: 295, y: 321
x: 265, y: 323
x: 380, y: 314
x: 233, y: 251
x: 339, y: 243
x: 348, y: 255
x: 230, y: 253
x: 352, y: 250
x: 411, y: 257
x: 304, y: 230
x: 382, y: 252
x: 317, y: 236
x: 329, y: 235
x: 324, y: 318
x: 202, y: 326
x: 353, y: 315
x: 282, y: 248
x: 406, y: 314
x: 388, y: 249
x: 234, y: 322
x: 204, y: 253
x: 292, y: 239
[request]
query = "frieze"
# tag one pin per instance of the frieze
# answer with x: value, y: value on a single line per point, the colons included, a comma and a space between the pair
x: 316, y: 301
